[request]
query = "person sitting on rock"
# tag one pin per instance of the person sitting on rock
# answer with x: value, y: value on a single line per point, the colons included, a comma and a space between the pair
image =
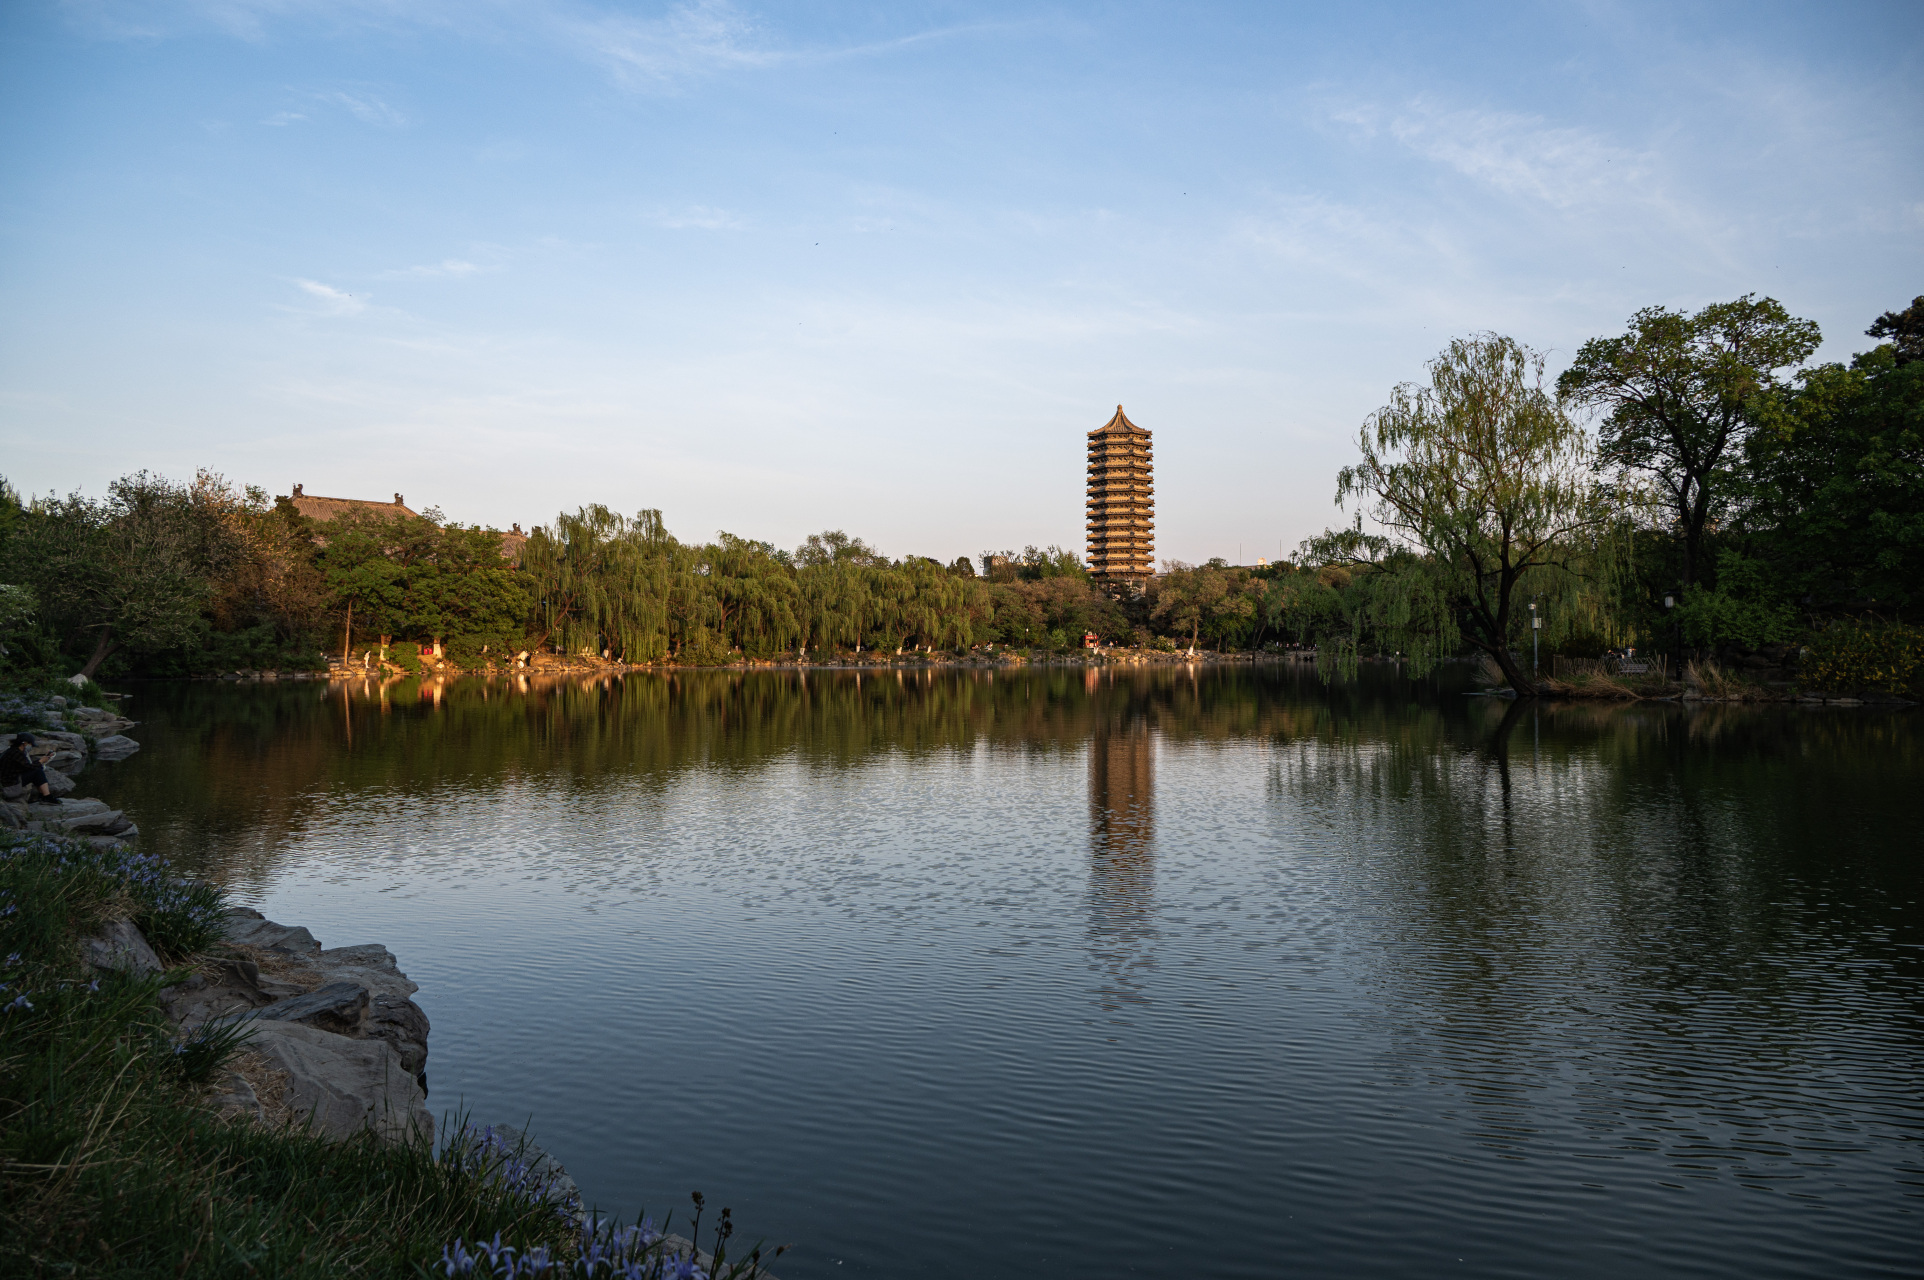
x: 17, y: 767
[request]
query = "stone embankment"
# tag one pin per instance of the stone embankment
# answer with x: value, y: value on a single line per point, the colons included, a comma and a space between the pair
x: 67, y: 738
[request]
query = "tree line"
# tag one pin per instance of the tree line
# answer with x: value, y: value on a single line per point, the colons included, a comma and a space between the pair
x: 163, y: 577
x: 1732, y: 499
x: 1689, y: 484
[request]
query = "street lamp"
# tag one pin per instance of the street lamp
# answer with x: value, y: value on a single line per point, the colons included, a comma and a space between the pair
x: 1536, y: 631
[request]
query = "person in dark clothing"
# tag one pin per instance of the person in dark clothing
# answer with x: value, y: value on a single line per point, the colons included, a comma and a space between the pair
x: 16, y: 767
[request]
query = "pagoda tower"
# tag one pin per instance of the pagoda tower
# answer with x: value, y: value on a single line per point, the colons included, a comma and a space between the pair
x: 1121, y: 508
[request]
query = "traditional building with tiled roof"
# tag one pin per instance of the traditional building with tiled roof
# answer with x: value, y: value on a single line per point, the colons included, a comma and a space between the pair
x: 328, y: 509
x: 1121, y: 506
x: 316, y: 508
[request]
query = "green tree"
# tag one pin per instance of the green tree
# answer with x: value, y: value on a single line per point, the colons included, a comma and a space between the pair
x: 757, y: 599
x: 132, y: 571
x: 601, y: 581
x: 362, y: 577
x: 1905, y: 329
x: 1837, y: 486
x: 1681, y: 393
x: 1217, y: 601
x: 1480, y: 482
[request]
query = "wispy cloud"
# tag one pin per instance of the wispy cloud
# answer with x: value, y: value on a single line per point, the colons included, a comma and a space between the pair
x: 243, y: 19
x: 662, y: 53
x: 447, y: 268
x: 333, y: 302
x: 1520, y: 155
x: 365, y: 107
x: 691, y: 40
x: 368, y: 108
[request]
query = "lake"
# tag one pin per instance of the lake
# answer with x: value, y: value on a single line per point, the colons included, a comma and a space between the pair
x: 1203, y: 971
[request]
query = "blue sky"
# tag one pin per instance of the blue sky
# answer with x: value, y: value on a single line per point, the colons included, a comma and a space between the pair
x: 880, y: 267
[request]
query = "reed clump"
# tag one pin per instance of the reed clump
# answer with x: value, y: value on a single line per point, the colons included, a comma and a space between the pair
x: 1590, y: 684
x: 1711, y: 682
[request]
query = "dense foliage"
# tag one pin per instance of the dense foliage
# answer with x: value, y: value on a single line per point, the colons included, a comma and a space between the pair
x: 1736, y: 505
x: 1732, y: 501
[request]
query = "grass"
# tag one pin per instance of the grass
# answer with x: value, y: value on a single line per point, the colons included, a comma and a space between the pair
x: 1589, y: 684
x: 112, y: 1163
x: 1713, y: 683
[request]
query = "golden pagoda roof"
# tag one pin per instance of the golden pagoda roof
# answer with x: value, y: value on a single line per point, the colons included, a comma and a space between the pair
x: 1119, y: 425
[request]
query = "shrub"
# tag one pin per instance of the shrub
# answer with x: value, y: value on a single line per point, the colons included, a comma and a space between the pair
x: 1848, y: 657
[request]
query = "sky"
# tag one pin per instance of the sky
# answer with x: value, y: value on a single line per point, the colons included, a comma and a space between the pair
x: 882, y: 267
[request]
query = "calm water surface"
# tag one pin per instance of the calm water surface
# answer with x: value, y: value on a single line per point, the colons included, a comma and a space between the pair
x: 1210, y: 973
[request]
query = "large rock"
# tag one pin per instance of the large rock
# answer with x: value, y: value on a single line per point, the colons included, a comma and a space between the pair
x: 121, y: 946
x: 228, y: 986
x: 115, y: 746
x: 100, y: 723
x: 344, y: 1085
x: 340, y: 1007
x: 106, y: 822
x: 250, y: 928
x: 389, y: 1014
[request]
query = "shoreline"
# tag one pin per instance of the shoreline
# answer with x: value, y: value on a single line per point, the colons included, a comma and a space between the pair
x: 322, y: 1043
x: 1551, y: 688
x: 847, y: 662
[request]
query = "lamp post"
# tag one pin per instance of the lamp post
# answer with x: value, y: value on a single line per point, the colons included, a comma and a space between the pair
x: 1536, y: 630
x: 1676, y: 637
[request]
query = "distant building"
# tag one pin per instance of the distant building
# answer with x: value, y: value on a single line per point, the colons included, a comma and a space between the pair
x: 325, y: 509
x: 1121, y: 508
x: 334, y: 508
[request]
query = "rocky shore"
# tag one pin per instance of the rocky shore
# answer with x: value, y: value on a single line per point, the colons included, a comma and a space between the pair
x: 334, y: 1034
x: 302, y: 1040
x: 68, y: 737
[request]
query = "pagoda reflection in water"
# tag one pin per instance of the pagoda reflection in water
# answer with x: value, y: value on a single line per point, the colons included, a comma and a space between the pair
x: 1122, y: 868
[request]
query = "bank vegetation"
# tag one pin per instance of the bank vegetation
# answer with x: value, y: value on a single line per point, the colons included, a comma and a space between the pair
x: 1691, y: 488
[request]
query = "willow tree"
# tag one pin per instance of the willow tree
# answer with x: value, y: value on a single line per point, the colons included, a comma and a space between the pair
x: 601, y: 582
x: 1484, y: 488
x: 756, y: 599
